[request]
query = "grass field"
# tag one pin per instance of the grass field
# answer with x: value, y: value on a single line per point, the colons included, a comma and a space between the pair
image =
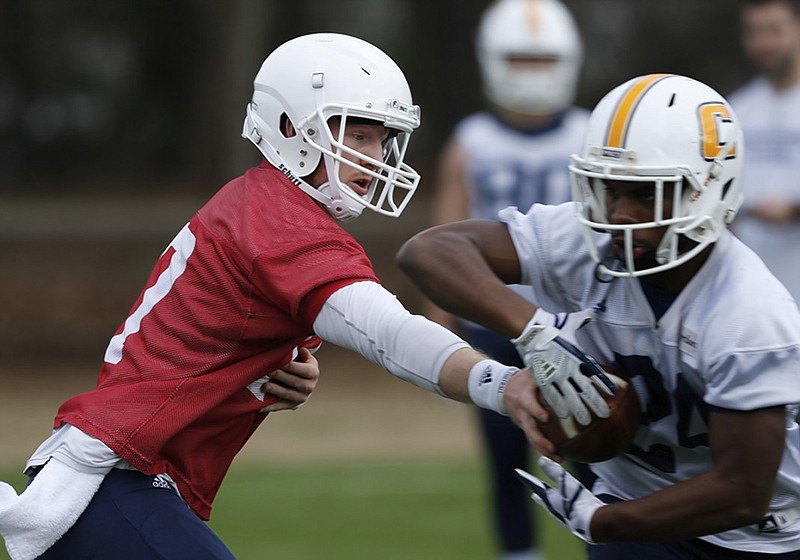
x: 370, y: 468
x: 418, y: 511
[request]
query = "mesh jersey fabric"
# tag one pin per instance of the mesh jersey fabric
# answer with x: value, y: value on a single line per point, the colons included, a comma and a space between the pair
x: 227, y: 303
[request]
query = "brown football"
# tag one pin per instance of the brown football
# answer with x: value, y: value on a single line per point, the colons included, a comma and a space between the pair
x: 602, y: 438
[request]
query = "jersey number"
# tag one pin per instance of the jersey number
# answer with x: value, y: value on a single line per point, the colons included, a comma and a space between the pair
x: 685, y: 405
x: 178, y: 252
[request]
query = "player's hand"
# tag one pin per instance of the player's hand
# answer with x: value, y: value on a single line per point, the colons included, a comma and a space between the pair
x: 524, y: 409
x: 294, y: 383
x: 569, y: 502
x: 569, y: 380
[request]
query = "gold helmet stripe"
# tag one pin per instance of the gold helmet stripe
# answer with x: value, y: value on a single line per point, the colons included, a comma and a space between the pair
x: 533, y: 15
x: 618, y: 128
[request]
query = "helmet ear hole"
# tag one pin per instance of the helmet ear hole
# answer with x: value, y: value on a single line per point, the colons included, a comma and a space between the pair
x: 287, y: 128
x: 725, y: 188
x: 308, y: 80
x: 731, y: 201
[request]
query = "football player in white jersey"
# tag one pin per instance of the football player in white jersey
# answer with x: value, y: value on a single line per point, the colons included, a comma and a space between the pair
x: 708, y: 337
x: 769, y: 109
x: 514, y: 153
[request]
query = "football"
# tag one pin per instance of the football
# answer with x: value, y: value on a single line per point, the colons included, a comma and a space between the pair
x: 602, y: 438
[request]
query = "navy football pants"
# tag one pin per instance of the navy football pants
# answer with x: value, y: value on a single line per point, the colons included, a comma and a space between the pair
x: 133, y: 517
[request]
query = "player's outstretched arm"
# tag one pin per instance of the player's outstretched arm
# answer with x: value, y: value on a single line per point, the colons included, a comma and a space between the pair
x: 366, y: 318
x: 464, y: 268
x: 468, y: 376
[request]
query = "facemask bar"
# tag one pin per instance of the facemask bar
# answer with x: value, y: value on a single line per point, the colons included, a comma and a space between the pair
x: 588, y: 192
x: 393, y: 182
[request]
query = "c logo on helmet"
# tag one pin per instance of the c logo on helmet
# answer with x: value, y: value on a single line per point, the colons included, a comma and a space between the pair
x: 715, y: 121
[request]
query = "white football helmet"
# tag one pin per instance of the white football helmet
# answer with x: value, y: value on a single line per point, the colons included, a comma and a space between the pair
x: 680, y: 135
x: 521, y: 28
x: 312, y: 78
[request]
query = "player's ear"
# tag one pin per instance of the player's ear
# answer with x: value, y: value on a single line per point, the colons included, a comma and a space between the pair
x: 287, y: 128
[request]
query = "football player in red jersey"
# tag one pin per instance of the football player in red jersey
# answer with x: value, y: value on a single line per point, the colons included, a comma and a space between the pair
x: 260, y: 275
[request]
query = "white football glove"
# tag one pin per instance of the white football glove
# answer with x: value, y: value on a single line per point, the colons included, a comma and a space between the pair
x: 568, y: 379
x: 569, y: 502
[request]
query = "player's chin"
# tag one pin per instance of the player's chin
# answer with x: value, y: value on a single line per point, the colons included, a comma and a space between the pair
x: 643, y: 259
x: 646, y: 261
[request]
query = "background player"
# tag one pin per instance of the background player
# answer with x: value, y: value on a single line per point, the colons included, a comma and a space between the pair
x: 515, y: 153
x: 259, y: 275
x: 769, y: 109
x: 707, y: 335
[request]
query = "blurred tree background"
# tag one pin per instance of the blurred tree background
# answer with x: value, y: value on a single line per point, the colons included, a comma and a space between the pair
x: 118, y: 117
x: 136, y: 94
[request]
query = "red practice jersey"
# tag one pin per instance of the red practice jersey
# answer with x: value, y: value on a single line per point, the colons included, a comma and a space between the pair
x: 228, y: 302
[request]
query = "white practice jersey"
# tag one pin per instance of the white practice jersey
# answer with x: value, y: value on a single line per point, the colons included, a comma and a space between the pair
x: 509, y: 167
x: 731, y: 339
x: 771, y: 124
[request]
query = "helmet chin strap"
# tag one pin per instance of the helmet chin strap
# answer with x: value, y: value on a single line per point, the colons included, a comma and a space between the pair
x: 339, y: 207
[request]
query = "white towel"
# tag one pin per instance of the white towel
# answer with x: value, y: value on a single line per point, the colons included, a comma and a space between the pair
x: 33, y: 521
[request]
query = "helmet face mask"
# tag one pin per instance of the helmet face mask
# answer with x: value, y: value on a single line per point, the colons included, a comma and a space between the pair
x: 514, y: 32
x: 681, y: 137
x: 392, y: 181
x: 315, y: 80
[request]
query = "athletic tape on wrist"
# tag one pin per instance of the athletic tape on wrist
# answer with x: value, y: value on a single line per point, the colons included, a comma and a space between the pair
x: 487, y: 383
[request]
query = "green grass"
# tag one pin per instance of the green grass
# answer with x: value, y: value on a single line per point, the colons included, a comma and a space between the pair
x: 413, y: 511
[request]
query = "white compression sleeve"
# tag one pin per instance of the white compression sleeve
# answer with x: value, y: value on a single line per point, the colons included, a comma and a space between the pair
x: 367, y: 318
